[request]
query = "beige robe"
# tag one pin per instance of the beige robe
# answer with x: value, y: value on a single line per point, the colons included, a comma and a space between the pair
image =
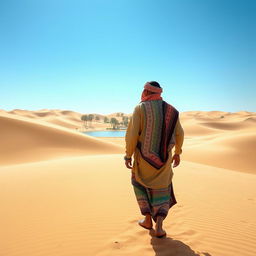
x: 145, y: 173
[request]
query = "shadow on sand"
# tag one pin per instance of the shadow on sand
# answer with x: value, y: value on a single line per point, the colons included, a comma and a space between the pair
x: 170, y: 247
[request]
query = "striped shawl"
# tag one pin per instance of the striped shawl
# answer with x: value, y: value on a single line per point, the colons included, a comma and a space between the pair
x: 160, y: 119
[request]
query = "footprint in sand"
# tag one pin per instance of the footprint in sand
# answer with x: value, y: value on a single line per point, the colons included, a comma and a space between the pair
x: 134, y: 241
x: 252, y: 200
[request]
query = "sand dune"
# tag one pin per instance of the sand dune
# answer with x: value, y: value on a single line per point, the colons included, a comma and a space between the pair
x: 86, y: 206
x: 64, y: 193
x: 251, y: 120
x: 25, y: 141
x: 63, y: 118
x: 216, y: 115
x: 225, y: 126
x: 65, y: 122
x: 221, y: 139
x: 221, y: 142
x: 236, y: 151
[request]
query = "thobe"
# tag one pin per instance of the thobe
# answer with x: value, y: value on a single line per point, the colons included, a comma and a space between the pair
x: 145, y: 173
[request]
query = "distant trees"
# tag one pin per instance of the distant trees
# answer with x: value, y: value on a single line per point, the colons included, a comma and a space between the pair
x: 90, y: 118
x: 125, y: 120
x: 85, y: 119
x: 119, y: 114
x: 114, y: 122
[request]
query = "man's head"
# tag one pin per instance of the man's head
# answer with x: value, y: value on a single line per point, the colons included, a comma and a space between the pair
x: 154, y: 83
x: 152, y: 91
x: 152, y: 88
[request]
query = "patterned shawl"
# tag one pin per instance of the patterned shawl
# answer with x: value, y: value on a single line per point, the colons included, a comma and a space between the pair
x: 160, y: 121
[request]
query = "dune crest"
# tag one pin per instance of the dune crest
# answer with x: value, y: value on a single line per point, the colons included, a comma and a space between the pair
x: 65, y: 193
x: 27, y: 141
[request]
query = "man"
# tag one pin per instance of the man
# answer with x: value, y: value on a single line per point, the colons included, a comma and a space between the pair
x: 154, y: 129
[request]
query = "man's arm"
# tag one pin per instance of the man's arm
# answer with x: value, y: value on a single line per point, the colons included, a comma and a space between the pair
x: 179, y: 138
x: 132, y: 135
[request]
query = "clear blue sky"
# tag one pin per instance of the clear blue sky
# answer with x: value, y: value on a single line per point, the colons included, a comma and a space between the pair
x: 95, y: 56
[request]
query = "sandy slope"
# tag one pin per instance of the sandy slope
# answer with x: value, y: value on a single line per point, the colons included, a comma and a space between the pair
x: 216, y: 138
x: 86, y: 206
x: 63, y: 118
x: 221, y: 139
x: 24, y: 140
x: 227, y: 142
x: 64, y: 193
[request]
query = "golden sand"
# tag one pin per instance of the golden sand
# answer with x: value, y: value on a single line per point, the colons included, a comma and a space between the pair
x: 65, y: 193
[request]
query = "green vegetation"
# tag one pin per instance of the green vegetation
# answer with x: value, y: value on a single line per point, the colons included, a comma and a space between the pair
x: 114, y: 122
x: 120, y: 122
x: 85, y: 119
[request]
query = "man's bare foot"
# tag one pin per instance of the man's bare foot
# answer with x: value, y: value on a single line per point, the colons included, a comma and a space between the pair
x: 159, y: 231
x: 146, y: 222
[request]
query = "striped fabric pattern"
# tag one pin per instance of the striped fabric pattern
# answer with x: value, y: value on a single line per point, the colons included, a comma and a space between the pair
x: 155, y: 202
x: 160, y: 120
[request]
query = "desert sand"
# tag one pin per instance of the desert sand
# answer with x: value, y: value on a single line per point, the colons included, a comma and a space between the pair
x: 65, y: 193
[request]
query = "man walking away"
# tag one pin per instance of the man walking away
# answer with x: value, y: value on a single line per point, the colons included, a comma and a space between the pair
x: 153, y: 131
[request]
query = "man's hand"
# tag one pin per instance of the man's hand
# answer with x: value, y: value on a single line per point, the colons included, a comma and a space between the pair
x: 128, y: 163
x: 176, y: 160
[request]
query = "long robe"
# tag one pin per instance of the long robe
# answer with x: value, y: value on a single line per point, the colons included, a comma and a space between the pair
x: 144, y: 172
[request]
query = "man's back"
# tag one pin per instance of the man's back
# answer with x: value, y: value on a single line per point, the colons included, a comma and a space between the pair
x: 141, y: 143
x: 159, y: 121
x: 152, y: 132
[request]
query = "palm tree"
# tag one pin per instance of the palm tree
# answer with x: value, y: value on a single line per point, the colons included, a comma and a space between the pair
x: 125, y: 120
x: 85, y: 119
x: 90, y: 118
x: 114, y: 122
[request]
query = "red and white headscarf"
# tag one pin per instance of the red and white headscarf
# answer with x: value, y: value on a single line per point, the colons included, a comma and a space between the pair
x: 156, y: 92
x: 152, y: 88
